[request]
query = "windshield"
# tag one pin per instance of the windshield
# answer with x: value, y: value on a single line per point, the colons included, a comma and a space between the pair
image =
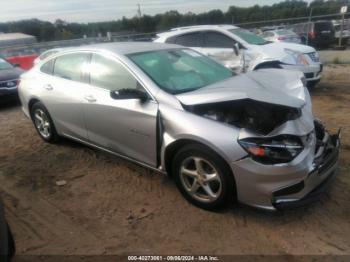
x: 4, y: 64
x: 180, y: 70
x: 249, y: 37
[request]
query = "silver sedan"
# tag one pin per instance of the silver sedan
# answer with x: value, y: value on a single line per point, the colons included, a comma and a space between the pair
x: 220, y: 136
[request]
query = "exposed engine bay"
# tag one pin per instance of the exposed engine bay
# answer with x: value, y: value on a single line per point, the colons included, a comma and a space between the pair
x: 256, y: 116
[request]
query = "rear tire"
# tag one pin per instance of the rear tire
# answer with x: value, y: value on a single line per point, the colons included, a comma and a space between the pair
x: 11, y: 244
x: 43, y: 123
x: 203, y: 177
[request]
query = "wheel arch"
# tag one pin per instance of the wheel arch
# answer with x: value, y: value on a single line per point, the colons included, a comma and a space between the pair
x: 268, y: 64
x: 175, y: 146
x: 31, y: 102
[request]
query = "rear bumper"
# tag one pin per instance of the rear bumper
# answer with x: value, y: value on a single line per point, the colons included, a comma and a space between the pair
x: 317, y: 182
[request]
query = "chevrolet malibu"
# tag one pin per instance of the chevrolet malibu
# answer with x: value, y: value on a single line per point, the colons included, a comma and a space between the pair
x: 221, y: 136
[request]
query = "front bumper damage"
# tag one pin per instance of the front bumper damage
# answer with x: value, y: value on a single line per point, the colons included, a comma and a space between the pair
x: 312, y: 73
x: 317, y: 181
x: 284, y: 186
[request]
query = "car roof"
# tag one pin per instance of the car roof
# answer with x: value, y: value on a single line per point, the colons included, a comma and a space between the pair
x: 187, y: 29
x: 124, y: 48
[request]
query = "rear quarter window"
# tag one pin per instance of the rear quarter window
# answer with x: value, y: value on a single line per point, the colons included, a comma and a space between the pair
x: 189, y: 40
x: 47, y: 68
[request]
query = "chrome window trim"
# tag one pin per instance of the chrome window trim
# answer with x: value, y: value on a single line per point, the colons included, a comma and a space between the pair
x: 106, y: 54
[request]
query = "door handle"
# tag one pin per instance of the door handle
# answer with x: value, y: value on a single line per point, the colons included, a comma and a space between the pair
x: 48, y: 87
x: 90, y: 98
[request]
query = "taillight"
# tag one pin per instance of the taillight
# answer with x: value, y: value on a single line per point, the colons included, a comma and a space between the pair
x: 312, y: 35
x: 281, y: 38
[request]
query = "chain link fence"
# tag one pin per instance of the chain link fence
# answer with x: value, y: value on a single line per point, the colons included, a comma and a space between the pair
x: 37, y: 48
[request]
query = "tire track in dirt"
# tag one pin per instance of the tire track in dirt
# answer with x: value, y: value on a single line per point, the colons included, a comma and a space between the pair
x: 49, y: 225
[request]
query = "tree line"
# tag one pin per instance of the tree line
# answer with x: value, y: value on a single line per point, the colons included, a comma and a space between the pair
x: 59, y: 30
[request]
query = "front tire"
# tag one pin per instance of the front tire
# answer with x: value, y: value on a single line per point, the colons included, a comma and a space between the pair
x: 43, y: 123
x: 203, y: 177
x: 312, y: 84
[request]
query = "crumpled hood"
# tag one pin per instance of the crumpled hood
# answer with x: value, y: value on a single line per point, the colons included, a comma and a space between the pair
x: 276, y: 51
x: 275, y: 86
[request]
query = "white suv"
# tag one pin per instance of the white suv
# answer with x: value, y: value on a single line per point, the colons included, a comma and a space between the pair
x: 242, y: 50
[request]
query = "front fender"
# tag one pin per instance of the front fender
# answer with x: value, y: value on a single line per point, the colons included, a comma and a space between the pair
x: 182, y: 125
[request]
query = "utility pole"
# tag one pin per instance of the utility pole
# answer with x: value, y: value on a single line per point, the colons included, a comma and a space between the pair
x: 139, y: 14
x: 343, y: 10
x: 308, y: 27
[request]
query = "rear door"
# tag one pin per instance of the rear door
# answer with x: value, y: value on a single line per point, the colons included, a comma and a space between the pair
x: 127, y: 126
x: 62, y: 88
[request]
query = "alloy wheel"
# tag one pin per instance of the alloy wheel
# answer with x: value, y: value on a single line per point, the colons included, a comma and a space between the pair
x: 200, y: 179
x: 42, y: 123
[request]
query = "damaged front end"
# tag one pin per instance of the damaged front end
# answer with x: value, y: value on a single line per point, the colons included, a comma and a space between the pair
x: 277, y: 152
x: 291, y: 158
x: 258, y: 117
x: 321, y: 175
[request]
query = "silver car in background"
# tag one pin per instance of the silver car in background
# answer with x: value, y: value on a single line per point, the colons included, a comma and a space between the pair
x: 243, y: 51
x: 281, y: 35
x: 221, y: 136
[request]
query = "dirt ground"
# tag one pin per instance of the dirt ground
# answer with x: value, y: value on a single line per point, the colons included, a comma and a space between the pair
x: 110, y: 206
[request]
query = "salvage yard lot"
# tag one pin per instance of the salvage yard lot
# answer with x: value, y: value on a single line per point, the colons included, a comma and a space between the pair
x: 111, y: 206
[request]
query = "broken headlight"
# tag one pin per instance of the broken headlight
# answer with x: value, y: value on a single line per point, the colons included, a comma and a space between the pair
x: 272, y: 150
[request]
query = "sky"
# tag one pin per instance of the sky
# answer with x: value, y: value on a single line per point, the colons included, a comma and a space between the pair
x: 104, y: 10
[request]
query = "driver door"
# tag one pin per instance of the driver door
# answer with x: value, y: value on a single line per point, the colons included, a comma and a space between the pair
x: 124, y: 126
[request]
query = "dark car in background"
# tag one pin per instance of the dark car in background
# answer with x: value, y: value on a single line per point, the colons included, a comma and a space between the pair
x: 7, y: 244
x: 316, y: 33
x: 9, y: 78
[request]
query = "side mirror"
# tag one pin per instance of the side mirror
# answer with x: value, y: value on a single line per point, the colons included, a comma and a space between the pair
x: 236, y: 49
x: 129, y: 93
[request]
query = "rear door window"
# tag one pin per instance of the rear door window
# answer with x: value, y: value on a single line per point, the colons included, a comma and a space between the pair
x: 71, y: 66
x: 217, y: 40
